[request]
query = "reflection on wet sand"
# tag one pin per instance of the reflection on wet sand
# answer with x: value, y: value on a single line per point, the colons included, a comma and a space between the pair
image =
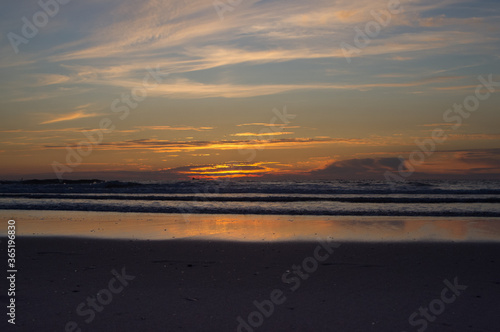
x: 153, y: 226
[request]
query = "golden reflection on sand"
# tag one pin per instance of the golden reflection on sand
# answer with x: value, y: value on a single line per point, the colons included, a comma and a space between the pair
x: 154, y: 226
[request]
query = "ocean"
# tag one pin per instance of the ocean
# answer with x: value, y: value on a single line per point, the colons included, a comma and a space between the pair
x: 329, y: 198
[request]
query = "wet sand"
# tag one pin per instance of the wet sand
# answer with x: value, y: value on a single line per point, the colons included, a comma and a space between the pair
x: 159, y: 226
x: 203, y: 285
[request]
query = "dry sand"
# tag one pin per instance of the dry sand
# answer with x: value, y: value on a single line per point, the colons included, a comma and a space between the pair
x: 183, y: 285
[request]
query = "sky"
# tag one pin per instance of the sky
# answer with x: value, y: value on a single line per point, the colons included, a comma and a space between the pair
x: 270, y: 89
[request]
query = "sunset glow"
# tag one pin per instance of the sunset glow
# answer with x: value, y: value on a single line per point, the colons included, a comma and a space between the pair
x: 170, y: 90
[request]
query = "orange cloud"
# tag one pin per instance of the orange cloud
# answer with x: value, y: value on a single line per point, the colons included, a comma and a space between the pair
x: 267, y: 125
x: 263, y: 134
x: 230, y: 170
x: 187, y: 128
x: 164, y: 146
x: 71, y: 116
